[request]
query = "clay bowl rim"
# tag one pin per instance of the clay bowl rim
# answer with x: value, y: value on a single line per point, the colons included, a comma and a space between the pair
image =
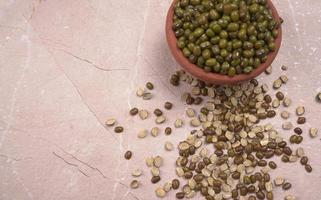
x: 214, y: 77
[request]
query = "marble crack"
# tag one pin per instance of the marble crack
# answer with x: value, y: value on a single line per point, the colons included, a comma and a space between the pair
x: 92, y: 63
x: 84, y: 102
x: 14, y: 159
x: 83, y: 173
x: 72, y: 83
x: 88, y: 165
x: 69, y: 163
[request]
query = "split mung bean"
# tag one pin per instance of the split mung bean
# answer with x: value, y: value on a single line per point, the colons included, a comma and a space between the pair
x: 110, y: 122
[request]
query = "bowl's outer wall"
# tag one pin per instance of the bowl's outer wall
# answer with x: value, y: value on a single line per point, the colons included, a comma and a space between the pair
x: 215, y: 77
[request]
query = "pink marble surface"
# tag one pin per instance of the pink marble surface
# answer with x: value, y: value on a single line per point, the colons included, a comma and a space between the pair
x: 68, y: 65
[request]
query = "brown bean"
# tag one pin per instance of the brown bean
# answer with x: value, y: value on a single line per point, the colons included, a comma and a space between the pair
x: 301, y: 120
x: 308, y: 168
x: 128, y: 155
x: 198, y: 177
x: 243, y: 191
x: 287, y: 151
x: 168, y: 130
x: 299, y: 139
x: 118, y: 129
x: 269, y: 196
x: 293, y: 139
x: 298, y: 130
x: 149, y: 86
x: 279, y: 96
x: 168, y: 105
x: 251, y: 189
x: 262, y: 163
x: 198, y: 100
x: 175, y: 184
x: 272, y: 165
x: 304, y: 160
x: 188, y: 175
x: 267, y: 99
x: 158, y: 112
x: 271, y: 114
x: 286, y: 186
x: 285, y: 158
x: 155, y: 179
x: 260, y: 195
x: 282, y: 144
x: 235, y: 194
x: 180, y: 195
x: 133, y: 111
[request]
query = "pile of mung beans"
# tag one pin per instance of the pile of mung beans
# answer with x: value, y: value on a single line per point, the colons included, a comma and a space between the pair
x: 229, y: 37
x: 230, y: 151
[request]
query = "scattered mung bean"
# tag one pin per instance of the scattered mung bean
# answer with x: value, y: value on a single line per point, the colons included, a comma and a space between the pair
x: 285, y: 114
x: 286, y: 186
x: 161, y: 119
x: 298, y: 130
x: 287, y: 125
x: 140, y: 92
x: 160, y: 192
x: 279, y: 95
x: 178, y: 123
x: 313, y: 132
x: 133, y: 111
x: 190, y: 112
x: 284, y: 79
x: 134, y: 184
x: 287, y: 102
x: 110, y: 122
x: 301, y: 120
x: 168, y: 130
x: 289, y: 197
x: 149, y: 86
x: 277, y: 84
x: 175, y: 184
x: 142, y: 133
x: 155, y: 179
x: 304, y: 160
x: 300, y: 110
x: 137, y: 172
x: 308, y: 168
x: 118, y: 129
x: 268, y: 70
x: 147, y: 96
x: 169, y: 146
x: 155, y: 131
x: 318, y: 97
x: 128, y: 155
x: 279, y: 181
x: 158, y: 161
x: 168, y: 105
x: 284, y: 68
x: 143, y: 114
x: 158, y: 112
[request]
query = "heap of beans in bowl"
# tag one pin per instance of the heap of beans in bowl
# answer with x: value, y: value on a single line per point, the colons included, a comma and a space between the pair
x: 229, y: 37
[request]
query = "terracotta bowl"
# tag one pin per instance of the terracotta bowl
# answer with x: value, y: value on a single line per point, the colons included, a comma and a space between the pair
x: 210, y: 77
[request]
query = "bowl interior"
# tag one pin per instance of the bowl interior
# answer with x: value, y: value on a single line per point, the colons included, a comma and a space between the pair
x: 215, y: 77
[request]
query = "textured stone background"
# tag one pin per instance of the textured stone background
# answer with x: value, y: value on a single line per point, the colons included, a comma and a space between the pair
x: 65, y: 66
